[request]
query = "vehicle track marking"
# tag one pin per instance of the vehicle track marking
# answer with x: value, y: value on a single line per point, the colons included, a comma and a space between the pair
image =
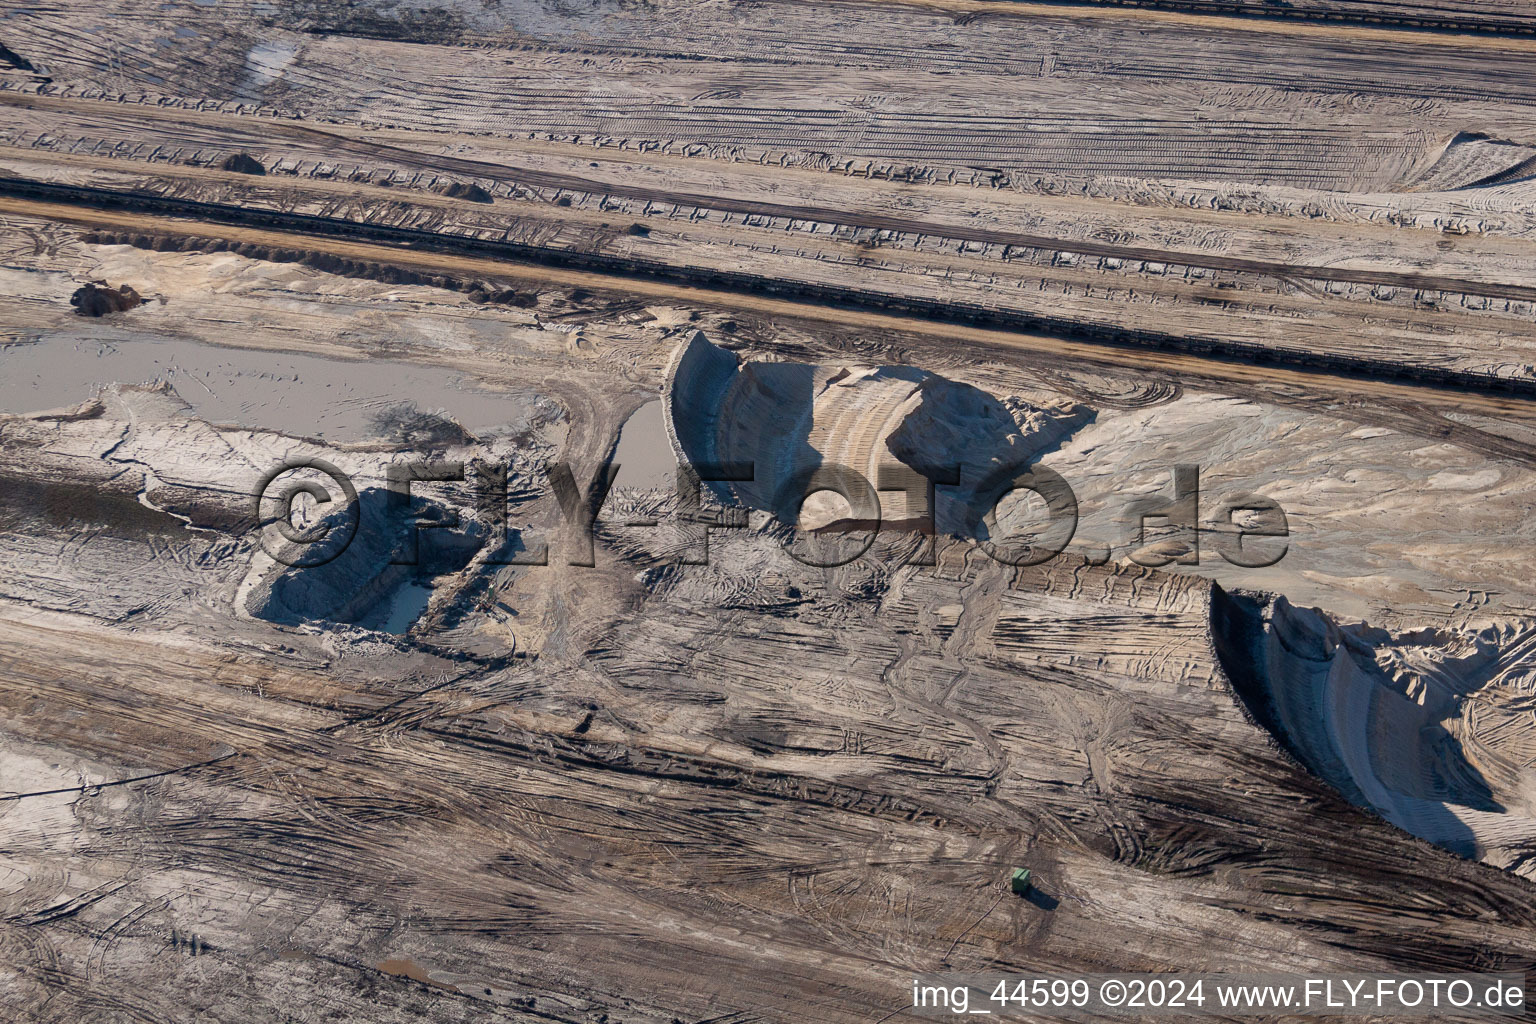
x: 1236, y: 21
x: 1100, y: 353
x: 338, y: 142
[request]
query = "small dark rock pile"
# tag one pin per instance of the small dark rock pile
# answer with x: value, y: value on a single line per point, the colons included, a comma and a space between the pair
x: 242, y: 163
x: 466, y: 190
x: 98, y: 299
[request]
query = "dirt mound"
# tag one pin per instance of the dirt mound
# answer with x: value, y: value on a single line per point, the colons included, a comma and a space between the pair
x: 406, y: 424
x: 1471, y: 160
x: 791, y: 420
x: 97, y: 298
x: 242, y: 163
x: 466, y: 190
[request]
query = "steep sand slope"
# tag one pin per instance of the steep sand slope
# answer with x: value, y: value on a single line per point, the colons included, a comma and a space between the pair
x: 1415, y: 726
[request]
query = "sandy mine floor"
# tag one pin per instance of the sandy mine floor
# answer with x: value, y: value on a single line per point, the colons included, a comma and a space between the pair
x: 538, y: 772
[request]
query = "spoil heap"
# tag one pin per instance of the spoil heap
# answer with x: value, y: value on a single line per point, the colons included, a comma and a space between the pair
x: 790, y: 419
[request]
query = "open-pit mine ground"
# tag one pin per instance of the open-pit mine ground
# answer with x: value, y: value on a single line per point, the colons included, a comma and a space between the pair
x: 408, y: 611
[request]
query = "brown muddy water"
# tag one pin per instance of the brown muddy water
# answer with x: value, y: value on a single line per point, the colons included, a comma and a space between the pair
x: 337, y: 401
x: 644, y: 455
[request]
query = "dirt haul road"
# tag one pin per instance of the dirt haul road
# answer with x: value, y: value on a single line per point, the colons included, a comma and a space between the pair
x: 1195, y: 366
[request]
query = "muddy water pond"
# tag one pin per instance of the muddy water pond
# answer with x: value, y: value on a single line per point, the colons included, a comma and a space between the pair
x: 337, y: 401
